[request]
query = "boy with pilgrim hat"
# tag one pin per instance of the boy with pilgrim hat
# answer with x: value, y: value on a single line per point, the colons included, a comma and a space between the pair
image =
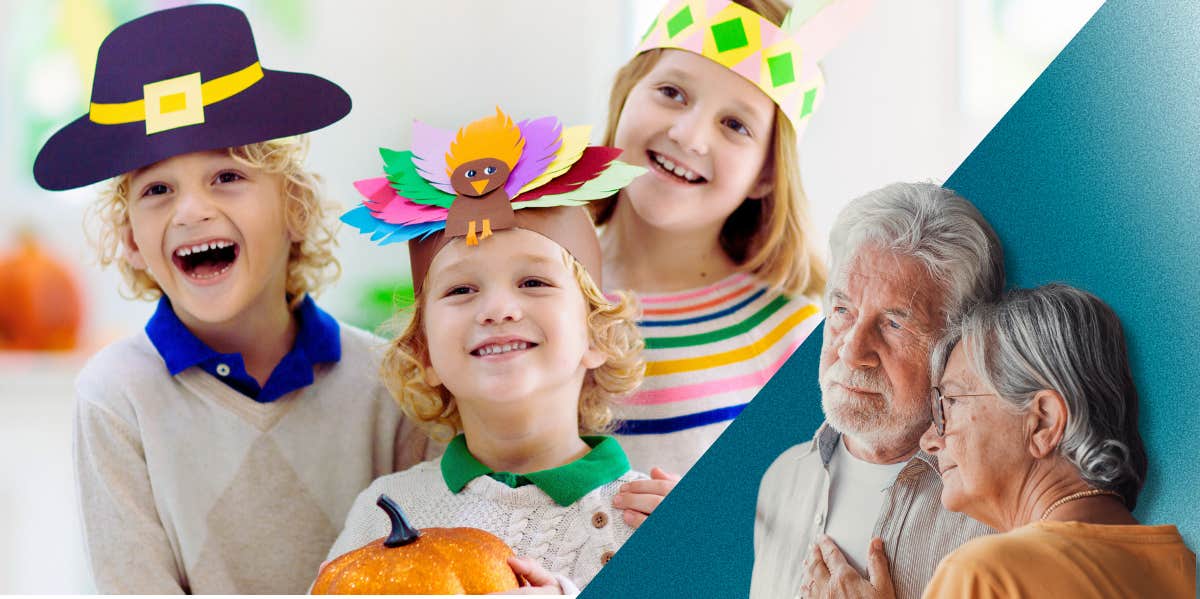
x: 220, y: 450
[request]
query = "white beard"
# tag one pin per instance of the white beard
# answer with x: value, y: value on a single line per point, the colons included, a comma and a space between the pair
x: 874, y: 420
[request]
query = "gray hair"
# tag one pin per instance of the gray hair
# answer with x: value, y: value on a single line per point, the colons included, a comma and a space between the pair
x: 932, y: 224
x: 1063, y: 339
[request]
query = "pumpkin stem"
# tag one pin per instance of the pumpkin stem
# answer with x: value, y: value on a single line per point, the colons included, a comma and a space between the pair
x: 402, y: 533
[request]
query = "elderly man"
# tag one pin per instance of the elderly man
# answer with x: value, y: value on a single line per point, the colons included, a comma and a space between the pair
x: 905, y: 259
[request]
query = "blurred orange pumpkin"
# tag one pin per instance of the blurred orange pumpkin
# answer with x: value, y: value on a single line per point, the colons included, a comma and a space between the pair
x: 432, y: 561
x: 40, y: 304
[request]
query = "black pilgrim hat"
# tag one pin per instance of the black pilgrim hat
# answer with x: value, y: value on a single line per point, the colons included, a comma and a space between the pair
x: 177, y: 81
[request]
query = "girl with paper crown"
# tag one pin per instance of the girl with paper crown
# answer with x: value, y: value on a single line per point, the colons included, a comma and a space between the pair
x: 217, y: 450
x: 715, y: 240
x: 511, y: 349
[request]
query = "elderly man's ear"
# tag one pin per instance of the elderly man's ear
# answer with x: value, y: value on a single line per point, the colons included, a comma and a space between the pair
x: 1047, y: 418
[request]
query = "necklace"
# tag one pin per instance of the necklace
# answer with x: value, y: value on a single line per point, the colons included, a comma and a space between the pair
x: 1074, y: 497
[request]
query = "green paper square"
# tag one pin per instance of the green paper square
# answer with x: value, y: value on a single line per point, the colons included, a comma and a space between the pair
x: 782, y: 72
x: 730, y: 35
x: 650, y: 29
x: 682, y: 20
x: 810, y: 97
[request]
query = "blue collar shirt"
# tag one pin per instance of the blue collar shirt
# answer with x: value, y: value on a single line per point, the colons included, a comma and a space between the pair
x: 318, y: 341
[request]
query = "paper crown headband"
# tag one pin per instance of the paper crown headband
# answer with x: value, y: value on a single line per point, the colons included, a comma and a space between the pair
x: 177, y: 81
x: 780, y: 60
x: 490, y: 175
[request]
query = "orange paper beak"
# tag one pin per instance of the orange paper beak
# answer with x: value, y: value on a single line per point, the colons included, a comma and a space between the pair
x: 480, y: 185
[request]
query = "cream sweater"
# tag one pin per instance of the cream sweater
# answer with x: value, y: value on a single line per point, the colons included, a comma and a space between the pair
x: 573, y: 541
x: 188, y: 486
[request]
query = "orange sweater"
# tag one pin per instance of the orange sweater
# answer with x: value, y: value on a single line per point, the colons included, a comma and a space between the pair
x: 1068, y: 560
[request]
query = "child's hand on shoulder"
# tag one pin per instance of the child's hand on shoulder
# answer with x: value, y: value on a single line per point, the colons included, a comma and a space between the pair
x: 641, y: 497
x: 536, y: 580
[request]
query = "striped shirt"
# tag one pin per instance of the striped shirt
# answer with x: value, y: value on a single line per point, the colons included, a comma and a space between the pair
x: 708, y: 353
x: 793, y: 510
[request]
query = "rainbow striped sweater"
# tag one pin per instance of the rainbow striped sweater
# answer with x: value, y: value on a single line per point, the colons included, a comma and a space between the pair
x: 708, y: 352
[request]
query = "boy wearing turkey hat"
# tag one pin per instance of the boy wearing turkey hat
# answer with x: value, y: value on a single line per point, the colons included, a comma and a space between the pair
x: 218, y: 451
x: 511, y: 351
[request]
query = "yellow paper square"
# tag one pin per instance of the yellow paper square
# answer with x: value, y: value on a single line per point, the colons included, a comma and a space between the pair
x: 173, y: 103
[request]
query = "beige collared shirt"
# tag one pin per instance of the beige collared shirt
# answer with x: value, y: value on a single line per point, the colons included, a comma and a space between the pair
x: 793, y: 510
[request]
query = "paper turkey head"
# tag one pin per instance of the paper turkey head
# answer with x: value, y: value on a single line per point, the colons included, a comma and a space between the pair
x: 479, y: 177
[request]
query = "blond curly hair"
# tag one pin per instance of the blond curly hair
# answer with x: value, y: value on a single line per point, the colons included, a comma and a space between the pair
x: 311, y: 264
x: 612, y: 329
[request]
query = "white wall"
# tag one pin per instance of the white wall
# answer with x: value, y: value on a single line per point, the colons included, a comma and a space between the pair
x: 891, y: 112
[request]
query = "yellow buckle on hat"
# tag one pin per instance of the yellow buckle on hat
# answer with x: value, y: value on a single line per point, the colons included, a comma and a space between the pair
x: 176, y: 102
x: 173, y: 103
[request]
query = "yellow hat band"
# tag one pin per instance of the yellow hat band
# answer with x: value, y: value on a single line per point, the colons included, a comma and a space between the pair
x: 175, y: 102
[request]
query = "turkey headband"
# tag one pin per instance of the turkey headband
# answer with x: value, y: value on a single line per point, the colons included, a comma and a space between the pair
x: 490, y: 175
x: 779, y: 60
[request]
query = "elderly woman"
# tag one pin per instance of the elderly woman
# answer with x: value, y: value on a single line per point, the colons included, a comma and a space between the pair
x: 1035, y: 431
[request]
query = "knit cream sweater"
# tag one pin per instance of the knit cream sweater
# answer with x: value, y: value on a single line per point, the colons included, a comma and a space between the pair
x: 186, y: 485
x: 573, y: 541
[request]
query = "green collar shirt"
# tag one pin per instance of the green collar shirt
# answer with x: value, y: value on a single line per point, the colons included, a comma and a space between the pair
x: 566, y: 484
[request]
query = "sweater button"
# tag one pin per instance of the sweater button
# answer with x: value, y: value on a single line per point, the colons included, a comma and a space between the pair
x: 604, y: 557
x: 599, y: 519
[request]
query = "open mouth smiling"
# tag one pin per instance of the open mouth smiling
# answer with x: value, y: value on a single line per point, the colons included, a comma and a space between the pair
x: 678, y: 171
x: 207, y: 259
x: 499, y: 348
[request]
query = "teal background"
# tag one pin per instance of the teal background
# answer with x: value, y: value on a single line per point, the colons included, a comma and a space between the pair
x: 1092, y: 179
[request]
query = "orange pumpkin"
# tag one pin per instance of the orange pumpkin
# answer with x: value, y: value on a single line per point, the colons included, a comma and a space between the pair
x: 40, y: 303
x: 433, y: 561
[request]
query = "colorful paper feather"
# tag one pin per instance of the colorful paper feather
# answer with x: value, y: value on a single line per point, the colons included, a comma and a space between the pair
x: 543, y: 138
x: 408, y: 182
x: 429, y: 148
x: 608, y: 182
x: 383, y: 233
x: 590, y: 164
x: 575, y: 139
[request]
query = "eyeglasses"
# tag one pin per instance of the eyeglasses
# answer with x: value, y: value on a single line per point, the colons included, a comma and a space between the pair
x: 939, y: 408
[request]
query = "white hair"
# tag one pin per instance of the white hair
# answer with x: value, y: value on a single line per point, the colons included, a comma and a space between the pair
x: 933, y: 225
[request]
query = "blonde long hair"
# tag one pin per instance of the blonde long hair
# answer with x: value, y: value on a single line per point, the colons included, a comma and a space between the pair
x: 765, y: 236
